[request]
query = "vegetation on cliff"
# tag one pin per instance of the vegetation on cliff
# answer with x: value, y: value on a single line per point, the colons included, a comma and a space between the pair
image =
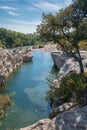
x: 5, y: 102
x: 72, y: 88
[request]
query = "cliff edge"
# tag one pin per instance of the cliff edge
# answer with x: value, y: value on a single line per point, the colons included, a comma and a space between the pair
x: 11, y: 59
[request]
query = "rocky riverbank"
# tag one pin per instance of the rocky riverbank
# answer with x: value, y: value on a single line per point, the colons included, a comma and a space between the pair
x: 74, y: 119
x: 65, y: 63
x: 48, y: 48
x: 68, y: 116
x: 11, y: 59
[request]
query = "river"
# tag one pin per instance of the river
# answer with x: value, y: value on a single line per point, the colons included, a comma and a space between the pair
x: 29, y: 84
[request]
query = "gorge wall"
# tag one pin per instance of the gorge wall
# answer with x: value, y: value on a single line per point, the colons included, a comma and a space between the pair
x: 65, y: 63
x: 11, y: 59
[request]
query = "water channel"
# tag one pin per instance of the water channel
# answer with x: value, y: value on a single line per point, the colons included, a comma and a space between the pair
x: 29, y: 84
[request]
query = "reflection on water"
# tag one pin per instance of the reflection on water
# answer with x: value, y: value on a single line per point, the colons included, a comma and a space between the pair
x: 30, y: 85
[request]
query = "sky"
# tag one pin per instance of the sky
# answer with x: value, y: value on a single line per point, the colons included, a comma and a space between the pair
x: 24, y: 15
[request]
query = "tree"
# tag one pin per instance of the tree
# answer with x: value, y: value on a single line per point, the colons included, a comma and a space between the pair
x: 70, y: 22
x: 9, y: 38
x: 47, y: 29
x: 67, y: 25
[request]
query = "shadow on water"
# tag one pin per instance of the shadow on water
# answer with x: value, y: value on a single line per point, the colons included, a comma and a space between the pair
x: 30, y: 86
x: 54, y: 71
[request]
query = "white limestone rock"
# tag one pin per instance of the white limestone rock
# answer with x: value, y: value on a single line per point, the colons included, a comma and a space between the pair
x: 60, y: 109
x: 66, y: 63
x: 75, y: 119
x: 11, y: 59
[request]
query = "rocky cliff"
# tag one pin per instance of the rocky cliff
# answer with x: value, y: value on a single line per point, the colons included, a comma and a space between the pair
x: 66, y: 63
x: 11, y: 59
x: 75, y: 119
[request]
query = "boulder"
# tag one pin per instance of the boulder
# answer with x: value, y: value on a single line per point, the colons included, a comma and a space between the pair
x: 60, y: 109
x: 58, y: 58
x: 72, y: 120
x: 75, y: 119
x: 45, y: 124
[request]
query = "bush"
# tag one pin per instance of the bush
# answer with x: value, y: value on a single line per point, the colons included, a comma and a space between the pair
x: 53, y: 94
x: 83, y: 45
x: 73, y: 88
x: 38, y: 44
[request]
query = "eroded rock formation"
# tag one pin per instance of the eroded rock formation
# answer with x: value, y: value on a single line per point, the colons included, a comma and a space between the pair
x: 11, y: 59
x: 66, y: 63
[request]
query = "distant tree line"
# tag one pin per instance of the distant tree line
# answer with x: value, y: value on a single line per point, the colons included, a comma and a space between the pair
x: 10, y: 39
x: 67, y: 28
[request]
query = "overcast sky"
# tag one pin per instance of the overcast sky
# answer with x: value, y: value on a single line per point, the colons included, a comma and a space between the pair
x: 25, y: 15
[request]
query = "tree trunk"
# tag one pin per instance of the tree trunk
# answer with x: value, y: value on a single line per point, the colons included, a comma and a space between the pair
x: 78, y: 58
x: 81, y: 66
x: 80, y: 62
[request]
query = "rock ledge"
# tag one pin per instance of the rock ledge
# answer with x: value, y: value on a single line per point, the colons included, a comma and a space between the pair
x: 75, y: 119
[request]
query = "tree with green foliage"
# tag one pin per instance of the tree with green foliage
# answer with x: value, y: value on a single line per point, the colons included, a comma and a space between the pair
x: 47, y: 29
x: 68, y: 26
x: 10, y: 39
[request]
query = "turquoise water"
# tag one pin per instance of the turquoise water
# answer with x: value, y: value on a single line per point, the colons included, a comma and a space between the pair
x: 30, y: 86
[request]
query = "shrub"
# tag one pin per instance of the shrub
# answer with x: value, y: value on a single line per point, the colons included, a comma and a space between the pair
x: 53, y: 94
x: 38, y: 44
x: 73, y: 87
x: 83, y: 45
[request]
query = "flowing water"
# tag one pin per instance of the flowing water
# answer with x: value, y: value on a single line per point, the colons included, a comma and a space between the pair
x: 30, y: 86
